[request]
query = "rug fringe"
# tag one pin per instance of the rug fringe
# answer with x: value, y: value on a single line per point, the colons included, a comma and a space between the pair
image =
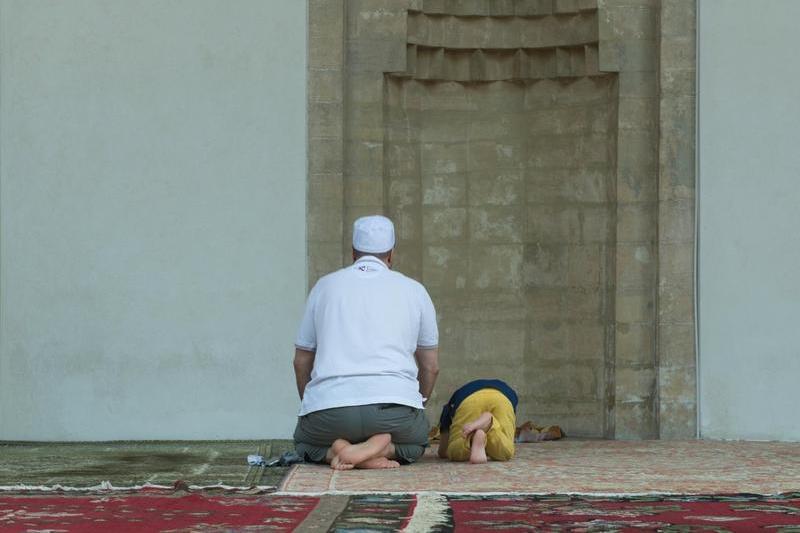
x: 107, y: 486
x: 431, y: 510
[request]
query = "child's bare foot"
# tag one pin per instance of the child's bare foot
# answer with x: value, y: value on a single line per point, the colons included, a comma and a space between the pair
x: 477, y: 451
x: 371, y: 448
x: 483, y: 422
x: 378, y: 462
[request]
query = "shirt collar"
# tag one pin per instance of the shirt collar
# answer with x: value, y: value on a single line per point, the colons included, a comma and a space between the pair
x: 372, y: 260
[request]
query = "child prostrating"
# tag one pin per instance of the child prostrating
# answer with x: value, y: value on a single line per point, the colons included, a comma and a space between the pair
x: 478, y: 422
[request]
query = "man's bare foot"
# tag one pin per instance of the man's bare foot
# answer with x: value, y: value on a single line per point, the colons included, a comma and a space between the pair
x: 338, y: 464
x: 483, y: 422
x: 378, y: 462
x: 373, y: 447
x: 477, y: 450
x: 336, y: 461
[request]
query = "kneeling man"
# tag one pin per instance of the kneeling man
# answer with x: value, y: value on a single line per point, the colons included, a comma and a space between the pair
x: 366, y: 360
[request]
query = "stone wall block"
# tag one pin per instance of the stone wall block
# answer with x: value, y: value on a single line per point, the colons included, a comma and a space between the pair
x: 489, y: 304
x: 638, y: 55
x: 625, y: 23
x: 678, y: 420
x: 324, y: 119
x: 365, y: 122
x: 500, y: 342
x: 577, y: 418
x: 445, y: 267
x: 408, y: 225
x: 678, y: 52
x: 446, y: 127
x: 325, y: 52
x: 364, y: 158
x: 376, y: 55
x: 502, y: 8
x: 534, y: 7
x: 678, y: 82
x: 548, y: 304
x: 635, y: 420
x: 676, y: 348
x: 584, y: 304
x: 401, y: 158
x: 595, y: 224
x: 324, y: 224
x: 637, y: 113
x: 609, y: 52
x: 676, y: 261
x: 324, y: 258
x: 326, y: 156
x: 635, y: 306
x: 403, y: 192
x: 443, y: 225
x: 637, y: 184
x: 447, y: 96
x: 677, y: 150
x: 636, y: 222
x: 553, y: 224
x: 541, y: 63
x: 545, y: 265
x: 563, y: 381
x: 495, y: 266
x: 676, y: 305
x: 586, y: 341
x: 496, y: 224
x: 501, y: 65
x: 678, y: 18
x: 325, y: 85
x: 635, y: 384
x: 677, y: 384
x: 563, y: 62
x: 460, y: 32
x: 676, y: 221
x: 635, y: 344
x: 585, y: 266
x: 435, y: 6
x: 637, y: 84
x: 376, y: 19
x: 364, y: 191
x: 443, y: 158
x: 592, y: 60
x: 504, y: 189
x: 637, y: 149
x: 444, y: 189
x: 548, y: 339
x: 636, y: 266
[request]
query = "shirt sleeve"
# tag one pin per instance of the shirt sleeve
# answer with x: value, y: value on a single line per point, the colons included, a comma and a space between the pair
x: 307, y: 333
x: 428, y: 330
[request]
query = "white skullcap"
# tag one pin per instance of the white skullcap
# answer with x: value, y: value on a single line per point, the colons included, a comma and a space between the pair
x: 373, y: 234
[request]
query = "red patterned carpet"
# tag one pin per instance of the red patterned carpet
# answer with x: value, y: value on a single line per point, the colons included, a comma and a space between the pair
x: 152, y: 512
x: 409, y: 512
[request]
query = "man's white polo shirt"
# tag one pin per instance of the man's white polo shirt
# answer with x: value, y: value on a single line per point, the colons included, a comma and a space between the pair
x: 365, y: 322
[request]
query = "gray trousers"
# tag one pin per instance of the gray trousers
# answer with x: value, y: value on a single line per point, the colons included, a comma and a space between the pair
x: 316, y: 431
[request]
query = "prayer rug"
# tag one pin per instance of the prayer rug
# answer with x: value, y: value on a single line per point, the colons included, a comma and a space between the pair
x: 399, y: 512
x: 156, y: 511
x: 598, y: 467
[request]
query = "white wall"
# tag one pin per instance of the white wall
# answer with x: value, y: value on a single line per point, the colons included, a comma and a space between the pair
x: 749, y: 235
x: 152, y: 217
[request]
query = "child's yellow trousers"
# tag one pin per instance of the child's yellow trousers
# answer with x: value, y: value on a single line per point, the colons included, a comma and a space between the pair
x: 499, y: 438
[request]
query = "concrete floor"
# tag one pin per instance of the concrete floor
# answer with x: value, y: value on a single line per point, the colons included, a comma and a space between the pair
x: 126, y: 464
